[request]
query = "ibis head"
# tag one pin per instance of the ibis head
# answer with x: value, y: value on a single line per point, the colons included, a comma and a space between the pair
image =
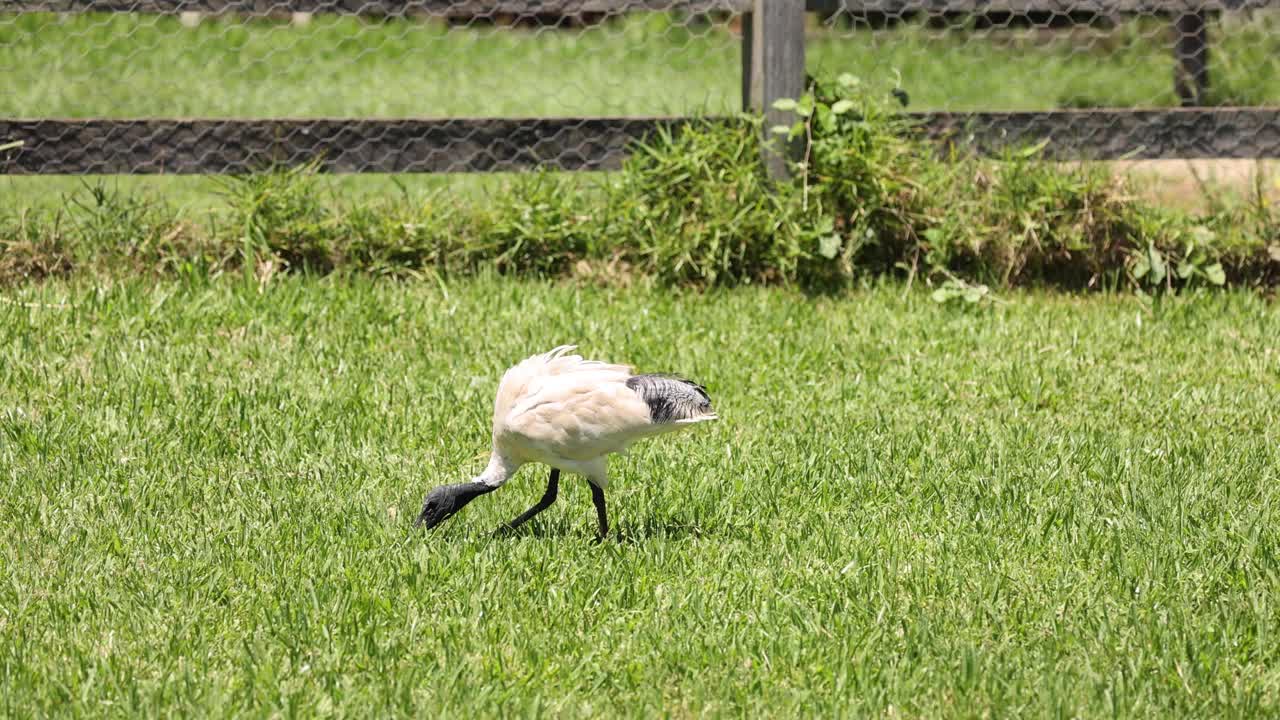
x: 445, y: 501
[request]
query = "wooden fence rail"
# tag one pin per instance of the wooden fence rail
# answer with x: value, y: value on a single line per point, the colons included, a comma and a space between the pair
x: 773, y: 67
x: 488, y: 144
x: 526, y: 8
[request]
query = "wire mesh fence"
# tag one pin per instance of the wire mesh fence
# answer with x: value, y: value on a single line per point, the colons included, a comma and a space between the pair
x: 165, y: 86
x: 1097, y: 78
x: 403, y: 63
x: 1088, y: 55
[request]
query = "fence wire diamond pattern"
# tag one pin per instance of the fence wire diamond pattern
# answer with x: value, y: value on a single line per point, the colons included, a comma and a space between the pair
x: 189, y: 86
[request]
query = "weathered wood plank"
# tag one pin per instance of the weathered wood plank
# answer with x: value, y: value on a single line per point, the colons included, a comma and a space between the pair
x: 1025, y: 7
x: 777, y: 71
x: 524, y: 8
x: 437, y: 8
x: 481, y: 145
x: 344, y: 146
x: 1115, y: 134
x: 748, y: 61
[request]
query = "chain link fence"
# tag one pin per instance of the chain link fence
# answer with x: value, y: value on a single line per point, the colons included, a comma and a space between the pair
x: 196, y: 86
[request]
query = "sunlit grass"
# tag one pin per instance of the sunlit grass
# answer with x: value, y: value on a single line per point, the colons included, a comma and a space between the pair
x: 1049, y: 506
x: 122, y: 65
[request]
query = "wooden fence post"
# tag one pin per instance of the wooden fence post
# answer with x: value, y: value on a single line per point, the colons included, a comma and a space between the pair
x: 748, y: 40
x: 773, y: 68
x: 1191, y: 58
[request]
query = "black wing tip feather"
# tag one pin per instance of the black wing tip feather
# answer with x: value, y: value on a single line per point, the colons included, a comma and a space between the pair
x: 702, y: 390
x: 664, y: 404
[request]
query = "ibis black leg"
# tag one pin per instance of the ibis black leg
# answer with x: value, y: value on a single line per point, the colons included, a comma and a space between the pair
x: 597, y: 497
x: 548, y: 497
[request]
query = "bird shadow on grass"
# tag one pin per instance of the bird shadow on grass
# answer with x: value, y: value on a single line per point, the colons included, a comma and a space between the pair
x: 625, y: 532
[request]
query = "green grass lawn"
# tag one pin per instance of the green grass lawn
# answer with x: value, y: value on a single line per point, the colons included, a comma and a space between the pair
x: 120, y: 65
x: 1050, y: 506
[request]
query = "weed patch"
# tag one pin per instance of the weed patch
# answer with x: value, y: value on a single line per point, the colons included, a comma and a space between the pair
x: 694, y: 207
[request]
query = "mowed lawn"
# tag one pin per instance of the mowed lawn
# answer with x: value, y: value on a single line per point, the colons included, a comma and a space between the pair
x: 124, y: 65
x: 1050, y: 506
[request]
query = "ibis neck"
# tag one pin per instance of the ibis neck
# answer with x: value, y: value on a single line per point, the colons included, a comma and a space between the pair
x: 499, y: 471
x: 466, y: 492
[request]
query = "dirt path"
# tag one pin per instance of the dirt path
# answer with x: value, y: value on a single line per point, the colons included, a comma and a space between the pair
x: 1195, y: 184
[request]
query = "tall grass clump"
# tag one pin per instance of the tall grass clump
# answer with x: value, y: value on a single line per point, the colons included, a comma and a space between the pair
x: 33, y: 245
x: 280, y: 217
x: 540, y: 225
x: 870, y: 196
x: 696, y: 206
x: 101, y: 229
x: 279, y: 214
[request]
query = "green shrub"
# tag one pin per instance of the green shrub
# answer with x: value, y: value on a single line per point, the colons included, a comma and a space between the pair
x: 895, y: 202
x: 870, y: 196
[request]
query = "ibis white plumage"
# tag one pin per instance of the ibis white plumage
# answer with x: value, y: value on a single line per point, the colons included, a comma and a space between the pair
x: 571, y: 414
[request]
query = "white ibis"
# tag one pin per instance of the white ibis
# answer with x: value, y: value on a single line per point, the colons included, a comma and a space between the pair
x: 571, y: 414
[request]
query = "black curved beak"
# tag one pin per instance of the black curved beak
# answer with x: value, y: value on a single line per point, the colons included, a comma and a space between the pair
x: 422, y: 518
x: 445, y: 501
